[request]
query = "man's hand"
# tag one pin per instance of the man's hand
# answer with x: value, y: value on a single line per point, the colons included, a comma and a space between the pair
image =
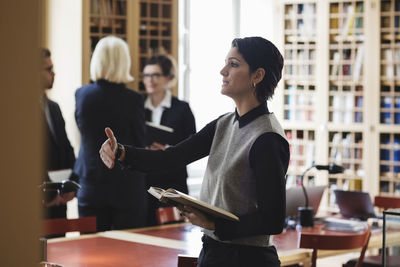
x: 197, y: 218
x: 67, y: 197
x: 61, y: 199
x: 108, y: 149
x: 57, y: 201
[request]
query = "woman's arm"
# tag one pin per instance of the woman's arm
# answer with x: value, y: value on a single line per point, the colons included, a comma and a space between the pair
x: 189, y: 124
x: 193, y: 148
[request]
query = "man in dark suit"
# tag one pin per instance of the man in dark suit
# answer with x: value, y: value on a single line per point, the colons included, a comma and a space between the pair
x: 59, y: 152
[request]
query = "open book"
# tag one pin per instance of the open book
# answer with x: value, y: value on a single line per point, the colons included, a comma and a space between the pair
x: 180, y: 199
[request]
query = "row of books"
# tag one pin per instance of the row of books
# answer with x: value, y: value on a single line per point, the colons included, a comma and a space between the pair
x: 390, y: 109
x: 302, y: 19
x: 384, y: 187
x: 347, y: 108
x: 390, y: 152
x: 106, y: 8
x: 386, y: 5
x: 352, y: 20
x: 301, y: 70
x: 299, y: 105
x: 352, y: 67
x: 343, y: 149
x: 300, y: 54
x: 391, y: 64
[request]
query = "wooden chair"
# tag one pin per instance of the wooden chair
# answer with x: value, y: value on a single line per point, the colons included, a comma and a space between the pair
x: 187, y: 261
x: 335, y: 242
x: 57, y: 227
x: 167, y: 215
x: 63, y: 225
x: 387, y: 202
x: 384, y: 202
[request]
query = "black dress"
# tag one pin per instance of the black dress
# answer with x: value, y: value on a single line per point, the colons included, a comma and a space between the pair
x: 178, y: 117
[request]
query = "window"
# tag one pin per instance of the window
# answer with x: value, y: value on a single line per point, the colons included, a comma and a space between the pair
x: 206, y: 29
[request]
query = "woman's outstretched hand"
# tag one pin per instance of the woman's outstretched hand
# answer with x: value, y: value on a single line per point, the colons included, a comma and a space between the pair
x: 108, y: 149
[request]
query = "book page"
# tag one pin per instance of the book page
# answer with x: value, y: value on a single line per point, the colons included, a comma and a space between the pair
x: 177, y: 198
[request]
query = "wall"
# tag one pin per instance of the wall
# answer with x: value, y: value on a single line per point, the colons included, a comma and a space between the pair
x: 64, y: 28
x: 21, y: 158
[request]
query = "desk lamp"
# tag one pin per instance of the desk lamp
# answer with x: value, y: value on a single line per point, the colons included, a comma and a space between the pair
x: 306, y: 213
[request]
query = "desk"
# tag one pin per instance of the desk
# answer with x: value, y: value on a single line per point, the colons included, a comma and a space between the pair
x: 160, y: 246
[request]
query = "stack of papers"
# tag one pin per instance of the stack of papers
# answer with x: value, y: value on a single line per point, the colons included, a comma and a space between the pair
x: 345, y: 225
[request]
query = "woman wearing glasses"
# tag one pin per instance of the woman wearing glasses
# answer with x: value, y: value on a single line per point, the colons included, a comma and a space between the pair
x: 116, y: 197
x: 169, y: 121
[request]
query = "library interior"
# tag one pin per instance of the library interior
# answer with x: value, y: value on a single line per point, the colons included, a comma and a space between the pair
x: 337, y: 102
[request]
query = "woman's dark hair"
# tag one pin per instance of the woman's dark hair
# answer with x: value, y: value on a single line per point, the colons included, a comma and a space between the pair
x: 261, y: 53
x: 166, y: 64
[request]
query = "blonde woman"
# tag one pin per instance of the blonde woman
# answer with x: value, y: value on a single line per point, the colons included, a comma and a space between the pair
x: 116, y: 197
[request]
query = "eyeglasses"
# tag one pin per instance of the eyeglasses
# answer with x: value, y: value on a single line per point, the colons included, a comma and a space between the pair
x: 154, y: 76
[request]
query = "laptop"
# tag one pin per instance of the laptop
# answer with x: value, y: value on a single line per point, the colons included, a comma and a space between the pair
x: 355, y: 204
x: 295, y: 198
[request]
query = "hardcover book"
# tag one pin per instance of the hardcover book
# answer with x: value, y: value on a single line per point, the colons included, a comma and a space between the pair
x: 179, y: 199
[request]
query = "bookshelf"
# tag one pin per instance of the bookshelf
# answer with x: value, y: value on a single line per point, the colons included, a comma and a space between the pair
x: 389, y: 94
x: 340, y: 92
x: 299, y: 87
x: 346, y: 89
x: 148, y: 26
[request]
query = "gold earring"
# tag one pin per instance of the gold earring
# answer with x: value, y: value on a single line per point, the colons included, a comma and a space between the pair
x: 254, y: 85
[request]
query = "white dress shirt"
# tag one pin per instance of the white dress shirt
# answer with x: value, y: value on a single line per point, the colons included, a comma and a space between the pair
x: 156, y: 112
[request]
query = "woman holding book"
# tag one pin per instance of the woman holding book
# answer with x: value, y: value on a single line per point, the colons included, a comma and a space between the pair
x: 248, y: 159
x: 169, y: 121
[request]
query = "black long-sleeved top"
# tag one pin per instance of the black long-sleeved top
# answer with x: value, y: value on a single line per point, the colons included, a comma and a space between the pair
x: 268, y: 160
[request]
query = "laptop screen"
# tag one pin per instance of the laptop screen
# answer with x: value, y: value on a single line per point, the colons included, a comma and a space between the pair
x: 354, y: 204
x: 295, y: 199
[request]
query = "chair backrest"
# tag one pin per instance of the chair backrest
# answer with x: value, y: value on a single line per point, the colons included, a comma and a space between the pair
x: 187, y: 261
x: 168, y: 215
x: 63, y: 225
x: 335, y: 242
x: 387, y: 202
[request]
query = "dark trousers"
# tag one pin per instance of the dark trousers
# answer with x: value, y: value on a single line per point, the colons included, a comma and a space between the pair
x: 108, y: 218
x: 218, y: 254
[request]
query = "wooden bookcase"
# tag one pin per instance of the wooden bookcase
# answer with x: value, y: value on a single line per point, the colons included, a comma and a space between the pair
x: 340, y: 92
x: 389, y: 104
x: 299, y: 85
x: 148, y: 26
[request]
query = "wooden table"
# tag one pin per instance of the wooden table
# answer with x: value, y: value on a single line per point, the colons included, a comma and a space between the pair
x: 160, y: 246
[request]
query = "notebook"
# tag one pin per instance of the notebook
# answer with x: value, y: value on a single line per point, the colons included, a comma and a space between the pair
x: 355, y: 204
x: 295, y: 198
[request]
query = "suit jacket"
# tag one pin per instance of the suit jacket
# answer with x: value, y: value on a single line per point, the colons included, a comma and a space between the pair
x: 100, y: 105
x: 60, y: 154
x: 180, y: 118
